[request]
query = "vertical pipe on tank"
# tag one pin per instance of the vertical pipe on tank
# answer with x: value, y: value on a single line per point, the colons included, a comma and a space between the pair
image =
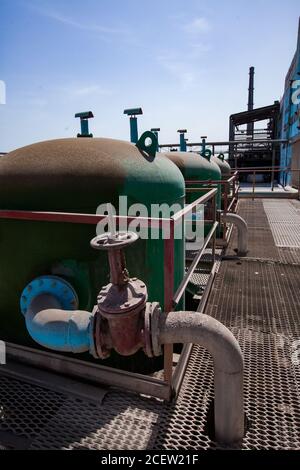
x: 132, y: 113
x: 203, y: 146
x: 84, y: 126
x: 133, y: 129
x: 155, y: 131
x: 84, y: 123
x: 182, y: 140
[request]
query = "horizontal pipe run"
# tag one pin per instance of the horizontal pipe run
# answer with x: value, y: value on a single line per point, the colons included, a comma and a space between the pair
x: 197, y: 328
x: 230, y: 142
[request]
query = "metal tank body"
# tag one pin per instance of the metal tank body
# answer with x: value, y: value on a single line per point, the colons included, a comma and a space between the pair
x: 225, y: 172
x: 223, y: 165
x: 77, y: 175
x: 195, y: 167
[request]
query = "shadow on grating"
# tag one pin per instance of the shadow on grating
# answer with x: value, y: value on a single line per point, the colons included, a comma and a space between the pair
x: 128, y: 421
x: 24, y: 410
x: 272, y: 402
x: 257, y: 295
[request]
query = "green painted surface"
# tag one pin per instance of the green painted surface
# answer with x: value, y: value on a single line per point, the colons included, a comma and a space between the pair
x: 196, y: 167
x: 223, y: 165
x: 77, y: 175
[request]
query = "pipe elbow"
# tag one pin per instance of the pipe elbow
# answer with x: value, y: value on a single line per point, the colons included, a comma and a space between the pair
x: 192, y: 327
x: 56, y: 329
x: 198, y: 328
x: 242, y: 228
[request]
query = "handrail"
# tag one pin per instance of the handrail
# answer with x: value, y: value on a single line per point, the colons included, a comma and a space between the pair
x: 201, y: 200
x: 180, y: 291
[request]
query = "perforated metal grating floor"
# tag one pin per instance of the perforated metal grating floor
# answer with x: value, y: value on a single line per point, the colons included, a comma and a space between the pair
x: 258, y: 299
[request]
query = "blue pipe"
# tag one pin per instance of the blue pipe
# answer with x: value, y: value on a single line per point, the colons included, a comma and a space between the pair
x: 49, y: 305
x: 57, y: 329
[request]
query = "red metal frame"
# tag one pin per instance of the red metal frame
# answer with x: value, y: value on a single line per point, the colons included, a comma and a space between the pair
x: 94, y: 219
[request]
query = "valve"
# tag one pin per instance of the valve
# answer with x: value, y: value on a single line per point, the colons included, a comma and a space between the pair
x: 119, y: 314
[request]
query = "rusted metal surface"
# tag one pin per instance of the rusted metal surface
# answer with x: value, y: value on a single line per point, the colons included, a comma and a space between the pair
x: 119, y: 316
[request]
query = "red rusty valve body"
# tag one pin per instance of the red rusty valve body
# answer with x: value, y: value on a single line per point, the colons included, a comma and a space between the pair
x: 119, y: 315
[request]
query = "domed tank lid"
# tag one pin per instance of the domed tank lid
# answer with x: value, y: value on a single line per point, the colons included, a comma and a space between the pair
x: 79, y: 174
x: 194, y: 166
x: 223, y: 165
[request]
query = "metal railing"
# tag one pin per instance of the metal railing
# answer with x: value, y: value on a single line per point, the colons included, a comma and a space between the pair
x: 254, y: 171
x: 160, y: 388
x: 229, y: 198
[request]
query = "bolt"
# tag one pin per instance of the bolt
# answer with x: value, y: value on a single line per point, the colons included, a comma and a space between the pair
x: 29, y: 288
x: 134, y: 279
x: 127, y: 304
x: 24, y: 298
x: 142, y: 286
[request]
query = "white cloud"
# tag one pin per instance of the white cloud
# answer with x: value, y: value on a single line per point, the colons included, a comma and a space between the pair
x: 198, y: 50
x: 87, y: 90
x: 180, y: 70
x: 198, y: 25
x: 68, y: 21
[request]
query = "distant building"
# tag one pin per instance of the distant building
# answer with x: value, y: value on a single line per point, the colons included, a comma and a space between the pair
x: 289, y: 124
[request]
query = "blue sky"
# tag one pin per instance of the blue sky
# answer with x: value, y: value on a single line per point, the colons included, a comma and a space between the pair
x: 186, y: 64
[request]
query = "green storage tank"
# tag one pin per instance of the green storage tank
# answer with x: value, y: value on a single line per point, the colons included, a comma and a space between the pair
x: 225, y: 172
x: 77, y: 175
x: 223, y: 165
x: 195, y: 167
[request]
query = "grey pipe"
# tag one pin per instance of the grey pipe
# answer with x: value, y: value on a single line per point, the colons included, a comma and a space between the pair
x: 57, y: 329
x: 242, y: 228
x: 192, y: 327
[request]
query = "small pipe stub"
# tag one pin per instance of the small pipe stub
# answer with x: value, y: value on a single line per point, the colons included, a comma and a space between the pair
x: 84, y: 116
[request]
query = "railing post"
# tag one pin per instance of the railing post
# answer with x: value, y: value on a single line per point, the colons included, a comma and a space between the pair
x: 214, y: 201
x: 273, y: 169
x: 225, y: 210
x: 253, y: 185
x: 168, y: 297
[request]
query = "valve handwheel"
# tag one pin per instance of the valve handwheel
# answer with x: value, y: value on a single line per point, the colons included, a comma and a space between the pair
x: 107, y: 241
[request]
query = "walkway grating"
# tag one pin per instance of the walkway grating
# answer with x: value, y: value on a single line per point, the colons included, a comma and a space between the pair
x: 258, y: 299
